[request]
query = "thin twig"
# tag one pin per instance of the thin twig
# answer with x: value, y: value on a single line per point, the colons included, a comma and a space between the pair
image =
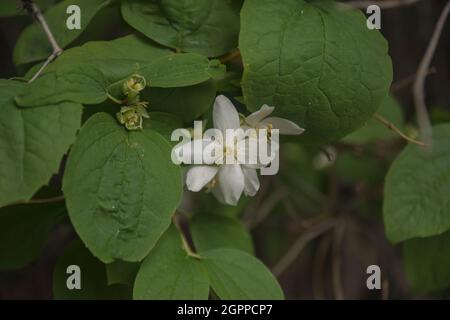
x: 264, y: 210
x: 392, y: 127
x: 402, y: 83
x: 34, y: 10
x: 388, y: 4
x: 423, y: 118
x: 300, y: 244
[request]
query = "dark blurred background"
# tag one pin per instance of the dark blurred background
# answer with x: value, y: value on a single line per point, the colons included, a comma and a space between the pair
x: 317, y: 272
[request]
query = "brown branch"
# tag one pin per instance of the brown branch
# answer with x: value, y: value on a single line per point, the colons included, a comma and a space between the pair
x: 423, y: 118
x: 301, y: 242
x: 230, y: 56
x: 36, y: 13
x: 392, y: 127
x: 388, y: 4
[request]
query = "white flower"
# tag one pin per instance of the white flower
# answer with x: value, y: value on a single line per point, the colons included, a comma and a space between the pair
x: 227, y: 181
x: 259, y: 120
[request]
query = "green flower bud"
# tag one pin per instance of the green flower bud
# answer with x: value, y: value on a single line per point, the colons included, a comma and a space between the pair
x: 129, y: 117
x: 133, y: 85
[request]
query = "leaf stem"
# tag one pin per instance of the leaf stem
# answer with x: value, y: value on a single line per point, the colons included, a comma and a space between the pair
x: 114, y: 99
x: 190, y: 252
x: 230, y: 56
x: 392, y: 127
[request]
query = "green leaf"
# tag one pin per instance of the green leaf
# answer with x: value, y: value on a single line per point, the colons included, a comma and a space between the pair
x: 316, y: 62
x: 24, y: 231
x: 80, y: 83
x: 236, y: 275
x: 427, y: 263
x: 116, y: 59
x: 417, y: 188
x: 188, y: 102
x: 121, y: 188
x: 168, y: 273
x: 210, y: 231
x: 374, y: 130
x: 208, y: 27
x: 180, y: 70
x: 163, y: 123
x: 121, y: 272
x: 13, y: 8
x: 92, y: 276
x: 33, y: 44
x: 32, y: 142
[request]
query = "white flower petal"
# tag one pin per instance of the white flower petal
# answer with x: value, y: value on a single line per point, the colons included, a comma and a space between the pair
x: 225, y: 115
x: 199, y: 176
x: 231, y: 183
x: 285, y: 126
x: 251, y: 181
x: 256, y: 117
x: 188, y: 152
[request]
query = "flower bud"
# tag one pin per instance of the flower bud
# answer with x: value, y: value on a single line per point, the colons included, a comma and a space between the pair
x: 133, y: 85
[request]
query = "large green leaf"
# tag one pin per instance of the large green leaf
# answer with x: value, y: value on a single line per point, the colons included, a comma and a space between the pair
x: 80, y: 83
x: 236, y: 275
x: 32, y: 142
x: 427, y: 263
x: 374, y: 130
x: 417, y: 188
x: 181, y: 70
x: 208, y: 27
x: 122, y: 272
x: 187, y: 102
x: 317, y: 63
x: 121, y: 188
x: 24, y: 231
x: 116, y: 59
x: 211, y: 231
x: 33, y: 44
x: 92, y: 276
x: 168, y: 273
x: 163, y: 123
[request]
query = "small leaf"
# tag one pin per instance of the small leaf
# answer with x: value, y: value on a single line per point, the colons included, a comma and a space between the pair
x: 210, y: 231
x: 236, y: 275
x: 33, y: 44
x: 24, y: 231
x: 121, y: 188
x: 427, y: 263
x: 316, y: 62
x: 417, y: 188
x: 32, y: 142
x: 208, y: 27
x: 79, y: 83
x: 92, y: 276
x: 168, y: 273
x: 180, y: 70
x: 187, y: 102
